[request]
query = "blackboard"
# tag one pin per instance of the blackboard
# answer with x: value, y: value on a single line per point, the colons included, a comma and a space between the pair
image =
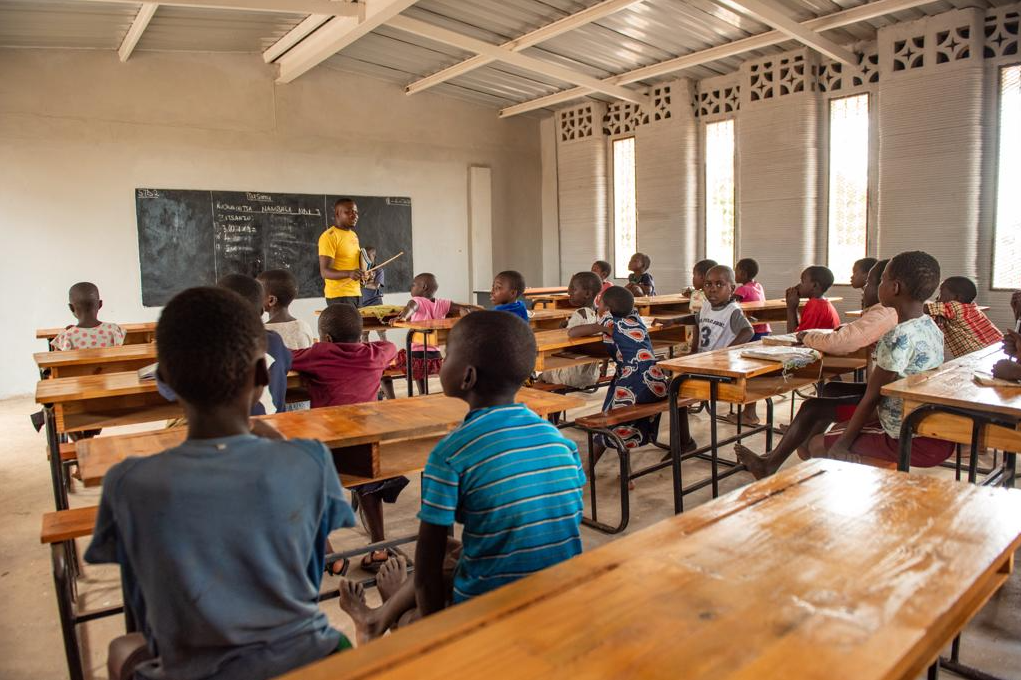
x: 191, y: 238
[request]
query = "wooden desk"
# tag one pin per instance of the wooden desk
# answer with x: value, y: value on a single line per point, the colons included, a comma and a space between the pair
x: 724, y: 375
x: 554, y: 349
x: 775, y: 310
x: 80, y: 362
x: 659, y: 305
x: 540, y: 291
x: 801, y: 575
x: 339, y: 427
x: 134, y: 333
x: 950, y: 405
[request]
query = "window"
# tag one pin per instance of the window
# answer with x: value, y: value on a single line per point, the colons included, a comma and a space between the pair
x: 848, y: 184
x: 719, y: 191
x: 625, y: 208
x: 1007, y: 229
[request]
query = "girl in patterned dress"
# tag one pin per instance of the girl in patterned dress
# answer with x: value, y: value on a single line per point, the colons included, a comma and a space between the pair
x: 637, y: 379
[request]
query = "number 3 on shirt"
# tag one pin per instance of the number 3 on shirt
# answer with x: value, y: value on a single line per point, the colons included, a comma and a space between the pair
x: 706, y: 332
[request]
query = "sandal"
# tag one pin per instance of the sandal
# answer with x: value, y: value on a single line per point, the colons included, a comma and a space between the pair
x: 372, y: 563
x: 331, y: 567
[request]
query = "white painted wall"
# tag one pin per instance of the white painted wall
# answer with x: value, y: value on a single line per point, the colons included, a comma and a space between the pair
x: 79, y: 131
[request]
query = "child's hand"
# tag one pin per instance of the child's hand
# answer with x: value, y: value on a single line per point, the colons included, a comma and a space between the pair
x: 792, y: 296
x: 801, y: 337
x: 839, y: 451
x: 261, y: 428
x: 1012, y: 343
x: 1015, y: 304
x: 1005, y: 369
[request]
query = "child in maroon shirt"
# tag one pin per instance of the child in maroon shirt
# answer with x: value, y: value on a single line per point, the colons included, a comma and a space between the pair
x: 340, y: 370
x: 819, y: 313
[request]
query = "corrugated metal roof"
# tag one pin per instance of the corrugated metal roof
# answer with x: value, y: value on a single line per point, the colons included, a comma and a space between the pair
x: 642, y: 34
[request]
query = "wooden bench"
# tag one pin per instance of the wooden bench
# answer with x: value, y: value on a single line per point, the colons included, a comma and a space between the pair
x: 602, y: 424
x: 66, y: 525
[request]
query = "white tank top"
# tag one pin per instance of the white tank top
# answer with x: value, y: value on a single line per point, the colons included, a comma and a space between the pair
x: 714, y: 331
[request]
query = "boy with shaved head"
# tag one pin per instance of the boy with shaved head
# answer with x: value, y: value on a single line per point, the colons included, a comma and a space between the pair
x: 84, y: 302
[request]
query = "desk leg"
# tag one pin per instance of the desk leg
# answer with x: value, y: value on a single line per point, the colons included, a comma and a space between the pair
x: 676, y: 444
x: 714, y: 389
x: 407, y: 363
x: 425, y: 377
x: 56, y: 466
x: 62, y: 583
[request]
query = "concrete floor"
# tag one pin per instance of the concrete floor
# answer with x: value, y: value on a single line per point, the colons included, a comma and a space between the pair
x: 30, y: 641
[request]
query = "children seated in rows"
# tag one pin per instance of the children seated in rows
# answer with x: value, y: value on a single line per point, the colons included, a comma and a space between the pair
x: 340, y: 369
x: 507, y: 475
x: 280, y: 288
x: 602, y: 269
x: 836, y: 400
x: 860, y: 272
x: 582, y: 292
x: 232, y: 589
x: 818, y: 312
x: 913, y: 346
x: 508, y: 287
x: 639, y: 281
x: 89, y: 333
x: 965, y: 327
x: 750, y: 290
x: 423, y: 306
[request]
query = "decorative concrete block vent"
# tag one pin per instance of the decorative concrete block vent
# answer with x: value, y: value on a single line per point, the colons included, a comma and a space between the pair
x: 948, y: 40
x: 779, y: 75
x: 835, y: 76
x: 717, y: 97
x: 624, y: 118
x: 1001, y: 32
x: 579, y: 122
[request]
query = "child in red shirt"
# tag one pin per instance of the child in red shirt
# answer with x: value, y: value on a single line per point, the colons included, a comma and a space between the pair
x: 340, y: 370
x: 818, y: 312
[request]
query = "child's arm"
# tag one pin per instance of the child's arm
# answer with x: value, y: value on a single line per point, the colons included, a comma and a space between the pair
x: 429, y: 554
x: 742, y: 327
x: 1005, y: 369
x: 1015, y: 304
x: 1012, y: 343
x: 670, y: 322
x: 406, y: 313
x: 865, y: 412
x: 459, y: 309
x: 793, y: 302
x: 584, y: 329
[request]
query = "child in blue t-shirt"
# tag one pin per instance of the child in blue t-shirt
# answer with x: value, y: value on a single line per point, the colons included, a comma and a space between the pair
x: 508, y: 286
x: 221, y: 540
x: 507, y: 475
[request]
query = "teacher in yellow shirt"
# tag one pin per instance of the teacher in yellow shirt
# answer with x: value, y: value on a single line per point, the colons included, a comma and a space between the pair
x: 340, y: 261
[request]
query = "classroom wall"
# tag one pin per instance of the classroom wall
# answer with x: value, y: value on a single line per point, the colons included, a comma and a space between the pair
x: 79, y: 131
x: 933, y: 86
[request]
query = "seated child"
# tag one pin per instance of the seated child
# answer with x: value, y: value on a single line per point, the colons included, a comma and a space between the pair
x: 89, y: 333
x: 601, y: 268
x: 860, y: 272
x: 639, y: 281
x: 340, y: 369
x: 721, y: 323
x: 583, y: 289
x: 694, y: 291
x: 750, y: 290
x: 510, y: 477
x: 637, y: 379
x: 836, y: 401
x: 422, y: 306
x: 280, y: 288
x: 278, y: 357
x: 819, y: 312
x: 220, y: 540
x: 913, y: 346
x: 1009, y: 369
x: 965, y: 328
x: 508, y: 286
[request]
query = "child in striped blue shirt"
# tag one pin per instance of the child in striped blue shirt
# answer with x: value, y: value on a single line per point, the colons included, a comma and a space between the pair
x: 507, y: 475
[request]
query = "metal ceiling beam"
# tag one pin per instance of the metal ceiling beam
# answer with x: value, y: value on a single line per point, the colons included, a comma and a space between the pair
x: 335, y: 35
x: 137, y: 28
x: 498, y: 53
x: 294, y: 36
x: 771, y: 15
x: 330, y: 7
x: 558, y: 27
x: 756, y: 42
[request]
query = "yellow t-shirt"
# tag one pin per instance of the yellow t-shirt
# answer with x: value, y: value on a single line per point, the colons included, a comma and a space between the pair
x: 342, y: 246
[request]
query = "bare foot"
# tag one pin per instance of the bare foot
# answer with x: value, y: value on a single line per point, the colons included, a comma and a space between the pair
x: 755, y: 464
x: 782, y: 428
x: 392, y: 576
x: 690, y: 445
x: 352, y: 601
x: 745, y: 419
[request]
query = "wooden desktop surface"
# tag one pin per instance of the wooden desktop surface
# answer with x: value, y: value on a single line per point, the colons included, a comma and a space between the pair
x: 335, y: 426
x: 825, y: 571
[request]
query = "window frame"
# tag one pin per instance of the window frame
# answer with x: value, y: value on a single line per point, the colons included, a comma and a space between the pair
x: 611, y: 203
x: 704, y: 198
x: 998, y: 113
x: 871, y: 181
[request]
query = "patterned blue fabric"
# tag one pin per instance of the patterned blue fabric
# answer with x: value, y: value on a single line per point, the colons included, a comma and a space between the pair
x: 515, y: 483
x: 913, y: 346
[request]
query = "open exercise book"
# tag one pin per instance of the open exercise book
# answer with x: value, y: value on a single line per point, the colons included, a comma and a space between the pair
x: 792, y: 358
x: 987, y: 380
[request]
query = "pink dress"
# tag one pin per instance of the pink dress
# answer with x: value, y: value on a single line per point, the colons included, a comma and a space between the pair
x: 753, y: 292
x: 103, y: 335
x: 425, y: 361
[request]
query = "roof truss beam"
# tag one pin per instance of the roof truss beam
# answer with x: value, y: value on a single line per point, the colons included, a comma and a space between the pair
x: 771, y: 15
x: 333, y: 8
x: 558, y: 27
x: 498, y: 53
x: 334, y: 35
x: 845, y: 17
x: 137, y: 28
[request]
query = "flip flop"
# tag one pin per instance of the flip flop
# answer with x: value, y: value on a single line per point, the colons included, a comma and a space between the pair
x: 374, y: 565
x: 331, y: 570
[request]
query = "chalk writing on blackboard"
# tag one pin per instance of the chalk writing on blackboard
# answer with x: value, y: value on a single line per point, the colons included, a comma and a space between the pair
x: 148, y: 193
